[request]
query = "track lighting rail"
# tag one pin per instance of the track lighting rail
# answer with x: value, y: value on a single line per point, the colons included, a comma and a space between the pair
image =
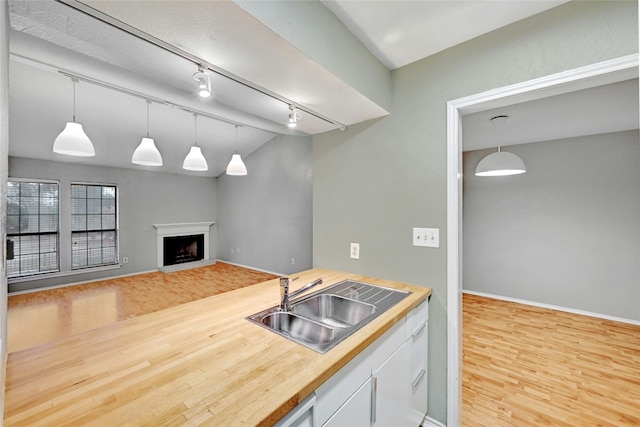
x: 107, y: 19
x: 148, y: 98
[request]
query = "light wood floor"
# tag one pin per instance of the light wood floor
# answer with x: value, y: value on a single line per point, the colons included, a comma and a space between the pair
x: 44, y: 316
x: 529, y: 366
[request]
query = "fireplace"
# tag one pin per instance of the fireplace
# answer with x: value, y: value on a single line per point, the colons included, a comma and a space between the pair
x: 182, y: 245
x: 181, y: 249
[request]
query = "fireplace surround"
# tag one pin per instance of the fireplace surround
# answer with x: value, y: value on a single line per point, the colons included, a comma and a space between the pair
x: 188, y: 231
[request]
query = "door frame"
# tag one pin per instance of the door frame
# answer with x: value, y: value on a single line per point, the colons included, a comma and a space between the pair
x: 611, y: 71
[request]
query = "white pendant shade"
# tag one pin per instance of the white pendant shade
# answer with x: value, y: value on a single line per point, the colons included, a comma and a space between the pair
x: 147, y: 154
x: 195, y: 161
x: 236, y: 166
x: 72, y: 141
x: 500, y: 164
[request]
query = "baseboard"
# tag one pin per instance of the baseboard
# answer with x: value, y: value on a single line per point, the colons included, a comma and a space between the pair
x: 555, y: 307
x: 430, y: 422
x: 46, y: 288
x: 251, y: 268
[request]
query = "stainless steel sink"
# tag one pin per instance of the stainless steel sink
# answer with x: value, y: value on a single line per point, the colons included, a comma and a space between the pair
x: 323, y: 319
x: 298, y: 327
x: 334, y: 310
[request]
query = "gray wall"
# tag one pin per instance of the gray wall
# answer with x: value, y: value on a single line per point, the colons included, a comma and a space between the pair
x: 316, y: 31
x: 565, y: 233
x: 4, y: 150
x: 377, y: 180
x: 145, y: 198
x: 264, y: 218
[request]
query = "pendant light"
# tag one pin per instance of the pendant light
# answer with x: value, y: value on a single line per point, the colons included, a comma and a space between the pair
x: 72, y: 141
x: 147, y: 154
x: 236, y: 166
x: 500, y: 163
x: 195, y: 161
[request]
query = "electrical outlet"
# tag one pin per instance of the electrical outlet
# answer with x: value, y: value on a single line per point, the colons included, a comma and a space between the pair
x: 293, y: 261
x: 429, y: 237
x: 355, y: 250
x: 125, y: 260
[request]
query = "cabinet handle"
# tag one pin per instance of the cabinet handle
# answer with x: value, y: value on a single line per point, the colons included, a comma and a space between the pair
x: 374, y: 400
x: 417, y: 331
x: 419, y: 378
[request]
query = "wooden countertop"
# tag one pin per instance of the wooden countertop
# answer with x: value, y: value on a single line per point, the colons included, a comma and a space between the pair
x: 197, y: 363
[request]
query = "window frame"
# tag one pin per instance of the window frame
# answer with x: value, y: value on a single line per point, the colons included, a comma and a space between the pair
x: 13, y: 236
x: 115, y: 230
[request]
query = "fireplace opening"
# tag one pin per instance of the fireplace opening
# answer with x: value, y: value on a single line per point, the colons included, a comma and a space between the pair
x: 181, y: 249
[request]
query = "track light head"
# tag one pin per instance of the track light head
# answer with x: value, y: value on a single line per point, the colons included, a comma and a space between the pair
x: 293, y: 117
x: 204, y: 82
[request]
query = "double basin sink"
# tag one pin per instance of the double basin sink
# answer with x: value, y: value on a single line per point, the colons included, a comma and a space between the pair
x: 326, y: 317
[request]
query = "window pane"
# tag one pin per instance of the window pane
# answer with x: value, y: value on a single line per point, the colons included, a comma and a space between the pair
x: 94, y: 222
x: 79, y: 191
x: 94, y: 192
x: 108, y: 222
x: 29, y: 264
x: 33, y: 220
x: 13, y: 189
x: 109, y: 206
x: 78, y: 206
x: 98, y: 247
x: 29, y: 245
x: 29, y: 189
x: 93, y: 206
x: 13, y: 224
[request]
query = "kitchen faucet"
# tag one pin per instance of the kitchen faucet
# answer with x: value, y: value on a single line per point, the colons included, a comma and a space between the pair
x: 285, y: 296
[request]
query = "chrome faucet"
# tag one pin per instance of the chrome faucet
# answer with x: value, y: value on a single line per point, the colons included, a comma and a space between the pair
x: 285, y: 296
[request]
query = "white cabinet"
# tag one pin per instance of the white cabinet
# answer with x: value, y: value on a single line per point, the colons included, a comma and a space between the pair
x: 356, y: 412
x: 384, y: 386
x: 417, y: 340
x: 391, y: 398
x: 337, y: 390
x: 302, y: 415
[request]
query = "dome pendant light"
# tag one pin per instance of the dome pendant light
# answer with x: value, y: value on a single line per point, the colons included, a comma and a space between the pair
x: 195, y: 161
x: 236, y: 166
x: 72, y: 141
x: 500, y: 163
x: 147, y: 154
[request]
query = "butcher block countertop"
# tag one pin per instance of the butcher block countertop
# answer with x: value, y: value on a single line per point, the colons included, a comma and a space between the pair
x: 196, y: 363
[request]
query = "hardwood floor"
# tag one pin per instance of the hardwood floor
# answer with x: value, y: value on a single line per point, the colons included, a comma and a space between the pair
x: 530, y: 366
x: 44, y: 316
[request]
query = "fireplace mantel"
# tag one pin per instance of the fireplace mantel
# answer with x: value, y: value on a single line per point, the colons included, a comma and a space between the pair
x: 181, y: 229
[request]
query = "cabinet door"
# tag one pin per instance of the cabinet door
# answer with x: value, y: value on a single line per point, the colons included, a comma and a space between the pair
x: 356, y: 412
x: 300, y: 416
x: 391, y: 398
x: 418, y: 345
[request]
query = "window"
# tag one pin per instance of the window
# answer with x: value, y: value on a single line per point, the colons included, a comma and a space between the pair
x: 33, y: 227
x: 94, y: 233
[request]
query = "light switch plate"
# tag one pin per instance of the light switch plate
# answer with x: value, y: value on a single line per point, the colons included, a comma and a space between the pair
x: 429, y: 237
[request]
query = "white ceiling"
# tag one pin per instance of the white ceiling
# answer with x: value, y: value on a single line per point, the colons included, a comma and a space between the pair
x: 399, y: 32
x: 602, y: 109
x: 49, y: 36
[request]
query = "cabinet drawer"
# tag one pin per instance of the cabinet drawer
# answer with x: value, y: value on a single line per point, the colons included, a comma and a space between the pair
x: 337, y: 389
x: 300, y: 416
x: 417, y: 318
x: 388, y: 343
x: 419, y: 397
x: 356, y: 412
x: 419, y: 346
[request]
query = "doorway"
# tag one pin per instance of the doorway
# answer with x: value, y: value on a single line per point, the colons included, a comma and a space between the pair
x: 568, y: 81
